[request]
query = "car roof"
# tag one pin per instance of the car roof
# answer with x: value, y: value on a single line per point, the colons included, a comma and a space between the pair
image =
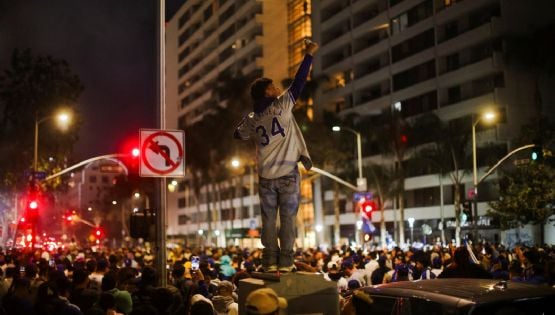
x: 460, y: 292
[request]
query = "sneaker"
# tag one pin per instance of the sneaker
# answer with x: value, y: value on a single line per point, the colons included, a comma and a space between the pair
x: 291, y: 268
x: 272, y: 269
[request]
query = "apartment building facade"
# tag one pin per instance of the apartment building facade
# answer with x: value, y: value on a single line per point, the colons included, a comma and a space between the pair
x: 206, y: 40
x: 424, y: 56
x: 415, y: 56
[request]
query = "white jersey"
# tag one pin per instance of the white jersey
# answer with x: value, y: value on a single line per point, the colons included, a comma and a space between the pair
x: 279, y: 141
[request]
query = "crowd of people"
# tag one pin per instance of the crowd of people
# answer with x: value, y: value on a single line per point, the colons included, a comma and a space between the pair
x: 124, y: 281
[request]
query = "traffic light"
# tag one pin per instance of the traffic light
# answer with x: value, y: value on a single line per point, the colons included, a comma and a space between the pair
x: 537, y: 154
x: 467, y: 210
x: 32, y: 211
x: 367, y: 237
x: 367, y: 206
x: 33, y: 204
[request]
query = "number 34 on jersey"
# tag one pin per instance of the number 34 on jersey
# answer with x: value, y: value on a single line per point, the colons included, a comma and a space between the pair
x: 263, y: 133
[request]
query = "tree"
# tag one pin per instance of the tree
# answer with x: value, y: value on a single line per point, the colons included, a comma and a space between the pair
x: 209, y: 141
x: 527, y: 192
x: 445, y: 146
x: 526, y: 196
x: 33, y: 87
x: 390, y: 132
x: 382, y: 179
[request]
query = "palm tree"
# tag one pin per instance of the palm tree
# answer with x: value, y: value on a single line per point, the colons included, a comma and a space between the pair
x: 390, y: 135
x: 381, y: 178
x: 446, y: 147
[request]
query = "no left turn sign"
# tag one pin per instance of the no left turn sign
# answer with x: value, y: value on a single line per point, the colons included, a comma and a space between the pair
x: 162, y: 153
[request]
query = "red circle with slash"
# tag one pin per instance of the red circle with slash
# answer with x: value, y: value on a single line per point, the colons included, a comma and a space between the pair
x: 149, y: 140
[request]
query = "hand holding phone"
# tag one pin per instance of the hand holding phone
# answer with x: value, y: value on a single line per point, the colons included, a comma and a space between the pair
x: 195, y: 263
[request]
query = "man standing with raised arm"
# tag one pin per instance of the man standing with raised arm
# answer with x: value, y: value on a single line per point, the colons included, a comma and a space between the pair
x: 280, y: 146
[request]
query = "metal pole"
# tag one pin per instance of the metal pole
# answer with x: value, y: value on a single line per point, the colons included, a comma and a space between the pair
x: 474, y: 181
x: 359, y: 153
x: 251, y: 201
x: 36, y: 148
x: 161, y: 217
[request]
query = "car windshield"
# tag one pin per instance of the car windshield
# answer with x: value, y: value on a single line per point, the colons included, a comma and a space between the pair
x: 527, y: 306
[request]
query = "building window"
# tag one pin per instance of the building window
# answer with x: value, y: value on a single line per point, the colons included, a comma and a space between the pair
x: 181, y: 202
x: 454, y: 94
x: 92, y: 179
x: 399, y: 23
x: 105, y: 180
x: 183, y: 219
x: 423, y: 197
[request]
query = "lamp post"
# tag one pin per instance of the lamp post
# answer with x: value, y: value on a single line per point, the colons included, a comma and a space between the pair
x: 489, y: 116
x: 63, y: 119
x: 411, y: 225
x: 361, y: 181
x: 236, y: 163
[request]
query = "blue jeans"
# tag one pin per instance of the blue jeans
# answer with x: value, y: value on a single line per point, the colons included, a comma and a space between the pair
x: 282, y: 193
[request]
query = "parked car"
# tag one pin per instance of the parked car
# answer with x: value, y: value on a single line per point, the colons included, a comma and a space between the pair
x: 454, y: 296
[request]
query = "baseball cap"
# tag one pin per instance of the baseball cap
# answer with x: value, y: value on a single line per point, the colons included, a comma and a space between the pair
x: 264, y: 301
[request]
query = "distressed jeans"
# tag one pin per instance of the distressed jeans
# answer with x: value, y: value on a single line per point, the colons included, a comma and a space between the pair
x: 279, y: 194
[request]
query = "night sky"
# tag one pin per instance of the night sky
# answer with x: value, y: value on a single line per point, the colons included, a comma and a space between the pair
x: 110, y: 45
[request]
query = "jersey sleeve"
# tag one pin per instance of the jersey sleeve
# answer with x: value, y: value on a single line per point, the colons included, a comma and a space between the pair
x: 243, y: 130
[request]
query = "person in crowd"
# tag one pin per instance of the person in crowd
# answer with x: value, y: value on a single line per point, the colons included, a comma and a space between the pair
x: 224, y: 301
x: 379, y: 274
x: 437, y: 266
x: 264, y: 301
x: 81, y: 294
x: 400, y: 267
x: 422, y: 268
x: 280, y: 146
x: 106, y: 306
x: 200, y: 305
x: 462, y: 267
x: 48, y: 301
x: 226, y: 270
x: 123, y: 300
x: 18, y: 299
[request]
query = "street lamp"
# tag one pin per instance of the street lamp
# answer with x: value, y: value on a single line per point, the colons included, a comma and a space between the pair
x: 488, y: 116
x: 411, y: 226
x: 63, y: 118
x: 236, y: 163
x: 361, y: 182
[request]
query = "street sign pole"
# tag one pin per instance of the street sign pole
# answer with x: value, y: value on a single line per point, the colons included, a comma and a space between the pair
x: 161, y: 217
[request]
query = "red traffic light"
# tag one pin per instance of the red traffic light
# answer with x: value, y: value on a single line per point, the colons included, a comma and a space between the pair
x: 367, y: 206
x: 135, y: 152
x: 33, y: 204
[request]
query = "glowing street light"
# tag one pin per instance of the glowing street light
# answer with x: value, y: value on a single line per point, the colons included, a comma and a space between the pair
x: 361, y: 181
x: 489, y: 117
x: 63, y: 119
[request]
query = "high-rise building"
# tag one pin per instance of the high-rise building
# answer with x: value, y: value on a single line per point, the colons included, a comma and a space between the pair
x: 422, y: 56
x: 205, y: 41
x: 411, y: 56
